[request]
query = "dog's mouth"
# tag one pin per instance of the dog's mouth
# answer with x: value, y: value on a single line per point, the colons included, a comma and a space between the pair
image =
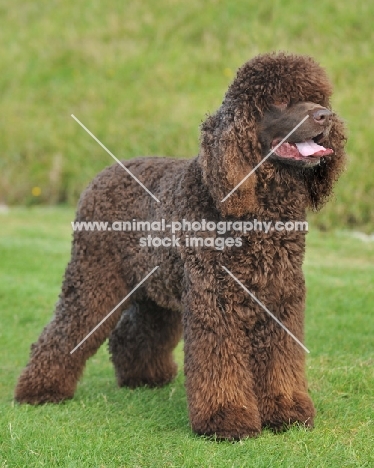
x: 308, y: 150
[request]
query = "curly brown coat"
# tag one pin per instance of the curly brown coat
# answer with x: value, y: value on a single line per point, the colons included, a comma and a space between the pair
x: 243, y: 371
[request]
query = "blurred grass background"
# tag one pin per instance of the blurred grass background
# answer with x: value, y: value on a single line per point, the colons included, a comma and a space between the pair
x: 143, y: 75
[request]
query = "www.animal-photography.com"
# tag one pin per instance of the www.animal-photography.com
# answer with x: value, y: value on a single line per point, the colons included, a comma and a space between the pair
x: 187, y: 234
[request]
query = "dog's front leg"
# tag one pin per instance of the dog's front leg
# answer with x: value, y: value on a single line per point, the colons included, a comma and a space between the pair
x: 219, y: 381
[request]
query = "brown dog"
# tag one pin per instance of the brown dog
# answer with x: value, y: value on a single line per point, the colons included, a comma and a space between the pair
x: 243, y: 370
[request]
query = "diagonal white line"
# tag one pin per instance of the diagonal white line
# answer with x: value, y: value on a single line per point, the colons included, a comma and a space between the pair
x: 113, y: 310
x: 266, y: 310
x: 263, y: 160
x: 116, y: 159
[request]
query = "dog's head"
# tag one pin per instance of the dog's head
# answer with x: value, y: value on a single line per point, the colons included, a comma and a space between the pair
x: 295, y: 134
x: 276, y: 118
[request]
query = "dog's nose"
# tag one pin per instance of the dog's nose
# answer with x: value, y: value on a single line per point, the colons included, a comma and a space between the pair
x: 321, y: 116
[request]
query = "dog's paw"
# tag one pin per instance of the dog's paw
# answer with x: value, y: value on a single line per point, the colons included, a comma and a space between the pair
x: 34, y: 389
x: 149, y: 379
x: 232, y: 423
x: 156, y: 373
x: 39, y: 399
x: 285, y: 413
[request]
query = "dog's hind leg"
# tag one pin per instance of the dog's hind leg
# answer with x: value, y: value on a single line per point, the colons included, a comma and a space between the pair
x: 142, y: 343
x: 92, y: 287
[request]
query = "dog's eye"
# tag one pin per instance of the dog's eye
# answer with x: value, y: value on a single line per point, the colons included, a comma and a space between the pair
x: 280, y: 105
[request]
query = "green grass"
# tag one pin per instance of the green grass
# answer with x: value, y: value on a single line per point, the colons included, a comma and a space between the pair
x: 104, y: 426
x: 142, y: 75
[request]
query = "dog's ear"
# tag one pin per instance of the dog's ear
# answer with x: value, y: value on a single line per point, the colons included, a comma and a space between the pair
x: 225, y: 162
x: 320, y: 183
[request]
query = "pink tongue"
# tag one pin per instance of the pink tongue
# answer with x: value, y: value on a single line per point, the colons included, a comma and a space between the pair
x: 309, y: 148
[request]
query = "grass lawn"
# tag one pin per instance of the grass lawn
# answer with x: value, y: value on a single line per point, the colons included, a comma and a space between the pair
x: 104, y: 426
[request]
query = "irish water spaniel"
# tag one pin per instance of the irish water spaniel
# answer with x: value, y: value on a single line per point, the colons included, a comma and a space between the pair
x: 243, y: 370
